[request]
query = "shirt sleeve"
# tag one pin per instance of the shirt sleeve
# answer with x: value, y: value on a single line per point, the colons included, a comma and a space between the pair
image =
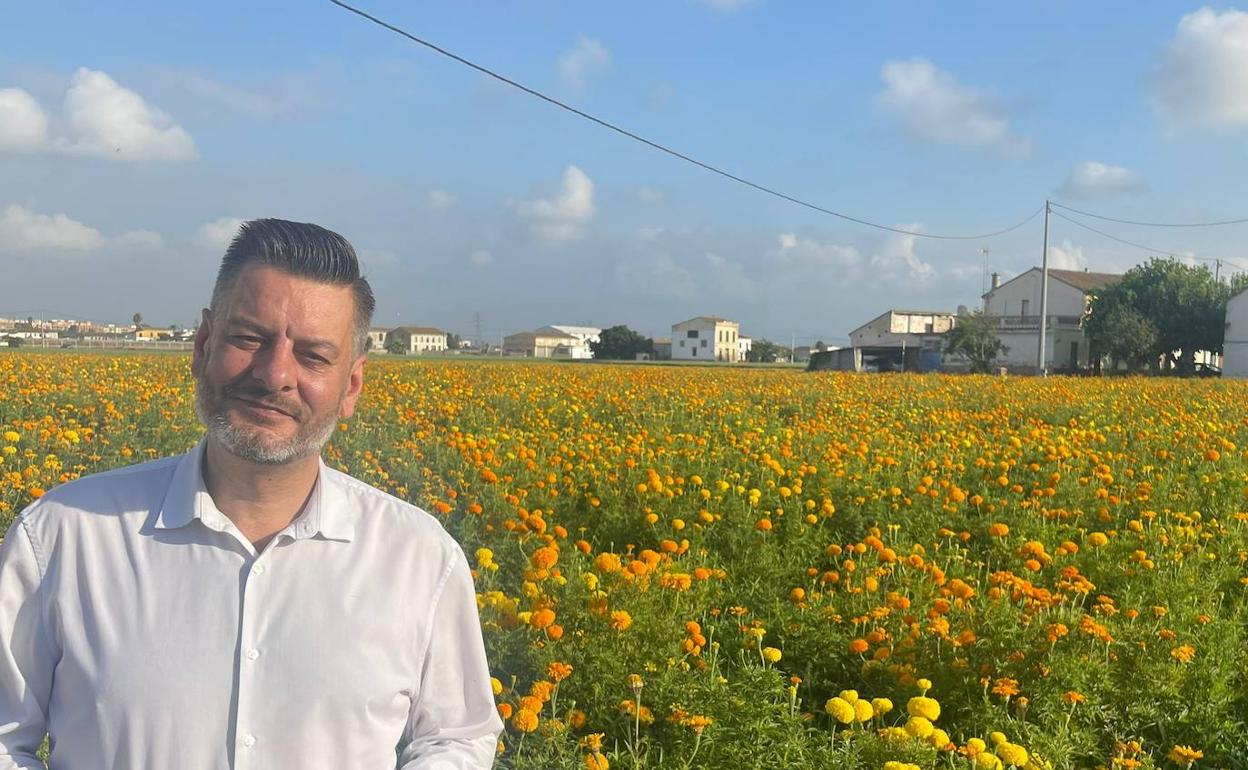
x: 453, y: 723
x: 27, y: 657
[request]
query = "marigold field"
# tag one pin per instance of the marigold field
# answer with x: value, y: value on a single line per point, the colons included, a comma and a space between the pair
x: 757, y: 568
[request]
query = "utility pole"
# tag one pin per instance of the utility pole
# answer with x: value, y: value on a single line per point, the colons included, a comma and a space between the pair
x: 476, y: 325
x: 1217, y: 270
x: 983, y: 284
x: 1041, y: 369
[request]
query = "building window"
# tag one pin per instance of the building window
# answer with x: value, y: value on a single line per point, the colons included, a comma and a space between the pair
x: 1026, y: 307
x: 703, y: 343
x: 692, y: 334
x: 695, y: 352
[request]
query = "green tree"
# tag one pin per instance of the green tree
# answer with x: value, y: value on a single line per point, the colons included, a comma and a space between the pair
x: 974, y: 336
x: 1129, y: 338
x: 1184, y: 304
x: 767, y: 352
x: 620, y: 343
x: 396, y: 347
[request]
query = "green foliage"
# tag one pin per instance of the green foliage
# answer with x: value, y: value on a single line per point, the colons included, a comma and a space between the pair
x: 620, y: 343
x: 767, y: 352
x: 1184, y: 305
x: 974, y: 336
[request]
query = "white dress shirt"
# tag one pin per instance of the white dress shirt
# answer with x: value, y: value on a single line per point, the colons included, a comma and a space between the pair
x: 140, y: 629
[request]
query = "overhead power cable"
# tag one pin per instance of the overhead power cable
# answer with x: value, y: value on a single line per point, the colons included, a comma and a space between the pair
x: 1150, y: 249
x: 668, y: 150
x: 1152, y: 224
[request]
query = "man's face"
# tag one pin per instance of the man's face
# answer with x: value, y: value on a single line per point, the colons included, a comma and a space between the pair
x: 275, y: 366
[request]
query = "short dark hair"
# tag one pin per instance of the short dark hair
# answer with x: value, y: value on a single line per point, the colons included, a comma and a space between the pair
x: 302, y: 249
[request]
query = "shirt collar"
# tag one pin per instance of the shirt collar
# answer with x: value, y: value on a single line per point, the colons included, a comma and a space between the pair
x: 326, y: 512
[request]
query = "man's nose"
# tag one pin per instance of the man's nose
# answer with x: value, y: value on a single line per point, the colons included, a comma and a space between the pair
x: 275, y: 366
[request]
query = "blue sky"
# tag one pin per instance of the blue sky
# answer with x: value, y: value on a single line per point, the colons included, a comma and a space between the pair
x: 133, y: 136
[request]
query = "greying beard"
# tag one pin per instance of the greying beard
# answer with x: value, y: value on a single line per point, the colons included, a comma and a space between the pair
x: 249, y: 446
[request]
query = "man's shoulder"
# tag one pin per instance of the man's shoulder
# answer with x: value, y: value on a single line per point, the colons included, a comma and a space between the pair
x: 130, y: 488
x: 392, y: 515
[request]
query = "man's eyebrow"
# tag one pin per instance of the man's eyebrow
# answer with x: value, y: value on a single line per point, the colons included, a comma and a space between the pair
x: 250, y: 325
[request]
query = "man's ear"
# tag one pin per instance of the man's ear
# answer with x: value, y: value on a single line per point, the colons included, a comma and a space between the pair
x: 355, y: 386
x: 203, y: 335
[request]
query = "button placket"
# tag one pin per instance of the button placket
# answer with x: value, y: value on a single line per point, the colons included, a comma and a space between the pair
x: 247, y: 655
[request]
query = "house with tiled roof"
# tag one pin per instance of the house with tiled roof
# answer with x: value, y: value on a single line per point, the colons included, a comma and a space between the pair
x: 1015, y: 307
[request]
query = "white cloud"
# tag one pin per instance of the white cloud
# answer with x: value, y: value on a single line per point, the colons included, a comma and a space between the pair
x: 110, y: 121
x: 100, y: 119
x: 26, y: 231
x: 23, y: 123
x: 1201, y: 74
x: 809, y: 254
x: 1092, y: 179
x: 931, y: 103
x: 587, y: 58
x: 564, y: 217
x: 140, y: 240
x: 439, y: 199
x: 217, y: 235
x: 1067, y: 256
x: 481, y: 258
x: 649, y: 195
x: 898, y: 258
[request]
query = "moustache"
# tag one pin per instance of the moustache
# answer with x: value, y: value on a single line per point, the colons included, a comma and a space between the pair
x: 263, y: 398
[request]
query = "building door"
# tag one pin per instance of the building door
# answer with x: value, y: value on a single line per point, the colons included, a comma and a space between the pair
x: 1074, y: 355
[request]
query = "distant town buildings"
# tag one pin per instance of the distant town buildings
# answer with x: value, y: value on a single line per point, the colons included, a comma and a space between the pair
x: 413, y: 340
x: 706, y: 338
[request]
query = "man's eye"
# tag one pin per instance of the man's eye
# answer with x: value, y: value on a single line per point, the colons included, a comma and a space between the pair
x: 246, y: 339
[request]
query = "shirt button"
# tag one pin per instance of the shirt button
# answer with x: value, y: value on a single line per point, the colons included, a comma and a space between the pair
x: 252, y: 654
x: 249, y: 741
x: 258, y: 569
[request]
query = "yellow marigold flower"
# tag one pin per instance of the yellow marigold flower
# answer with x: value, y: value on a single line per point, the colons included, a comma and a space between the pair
x: 920, y: 706
x: 525, y: 721
x: 559, y: 671
x: 939, y: 739
x: 1012, y: 754
x: 987, y: 761
x: 771, y: 654
x: 1183, y: 653
x: 496, y: 686
x: 840, y: 710
x: 635, y: 682
x: 894, y: 734
x: 849, y: 696
x: 593, y: 741
x: 596, y: 761
x: 881, y: 706
x: 862, y: 711
x: 974, y: 747
x: 11, y: 436
x: 919, y: 727
x: 997, y: 738
x: 621, y: 620
x: 1184, y: 755
x: 924, y: 685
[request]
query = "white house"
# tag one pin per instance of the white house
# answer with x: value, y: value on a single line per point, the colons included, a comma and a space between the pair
x: 1235, y: 344
x: 546, y: 342
x: 706, y: 338
x: 1015, y: 306
x: 899, y: 339
x: 744, y: 346
x: 418, y: 339
x: 584, y: 336
x: 377, y: 338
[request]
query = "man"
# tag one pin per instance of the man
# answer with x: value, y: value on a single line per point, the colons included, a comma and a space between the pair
x: 243, y: 605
